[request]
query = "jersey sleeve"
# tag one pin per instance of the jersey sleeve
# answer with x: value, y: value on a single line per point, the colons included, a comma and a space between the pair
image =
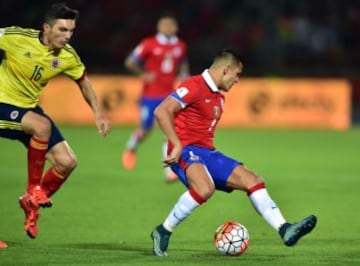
x: 141, y: 51
x: 186, y: 94
x: 75, y: 72
x: 76, y: 68
x: 7, y: 39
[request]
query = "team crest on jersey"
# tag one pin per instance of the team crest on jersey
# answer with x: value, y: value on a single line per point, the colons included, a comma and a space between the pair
x: 216, y: 111
x: 55, y: 63
x: 14, y: 114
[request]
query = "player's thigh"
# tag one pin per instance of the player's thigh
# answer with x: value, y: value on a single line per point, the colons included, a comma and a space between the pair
x: 34, y: 123
x: 200, y: 180
x: 10, y: 123
x: 243, y: 178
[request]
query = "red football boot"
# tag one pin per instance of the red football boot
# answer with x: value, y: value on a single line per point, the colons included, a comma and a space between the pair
x: 38, y: 198
x: 31, y: 215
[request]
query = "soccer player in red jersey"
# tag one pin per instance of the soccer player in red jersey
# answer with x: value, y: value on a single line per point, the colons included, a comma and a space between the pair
x: 159, y: 60
x: 188, y: 118
x: 32, y: 58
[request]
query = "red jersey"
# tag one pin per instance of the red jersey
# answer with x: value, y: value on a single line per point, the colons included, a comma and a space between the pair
x: 202, y: 104
x: 161, y: 56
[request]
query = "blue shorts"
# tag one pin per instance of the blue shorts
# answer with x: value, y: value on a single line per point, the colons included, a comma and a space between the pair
x: 147, y: 108
x: 10, y: 124
x: 218, y: 165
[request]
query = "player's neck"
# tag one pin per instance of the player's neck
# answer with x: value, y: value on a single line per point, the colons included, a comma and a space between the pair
x: 46, y: 42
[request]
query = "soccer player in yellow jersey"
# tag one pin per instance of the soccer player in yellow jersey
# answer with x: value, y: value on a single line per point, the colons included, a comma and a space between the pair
x: 31, y: 59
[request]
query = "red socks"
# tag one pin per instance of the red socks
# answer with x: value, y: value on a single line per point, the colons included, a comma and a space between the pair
x: 196, y: 196
x: 36, y: 160
x: 255, y: 188
x: 52, y: 181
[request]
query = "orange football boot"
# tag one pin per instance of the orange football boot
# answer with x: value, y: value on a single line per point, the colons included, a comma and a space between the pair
x: 3, y: 244
x: 129, y: 159
x: 31, y: 215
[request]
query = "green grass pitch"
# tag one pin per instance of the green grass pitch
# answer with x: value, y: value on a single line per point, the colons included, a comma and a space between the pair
x: 103, y: 215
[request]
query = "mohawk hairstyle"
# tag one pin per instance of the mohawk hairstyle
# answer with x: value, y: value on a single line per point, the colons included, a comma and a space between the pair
x: 228, y: 53
x: 228, y: 56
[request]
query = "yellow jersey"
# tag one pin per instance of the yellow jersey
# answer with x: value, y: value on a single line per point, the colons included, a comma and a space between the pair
x: 28, y: 65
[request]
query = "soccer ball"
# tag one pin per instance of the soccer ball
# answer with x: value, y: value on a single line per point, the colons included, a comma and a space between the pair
x: 231, y: 238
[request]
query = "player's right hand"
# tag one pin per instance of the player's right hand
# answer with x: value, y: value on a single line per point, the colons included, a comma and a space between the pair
x: 173, y: 157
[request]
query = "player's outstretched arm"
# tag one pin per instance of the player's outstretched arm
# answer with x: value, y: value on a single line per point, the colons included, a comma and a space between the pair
x: 88, y: 92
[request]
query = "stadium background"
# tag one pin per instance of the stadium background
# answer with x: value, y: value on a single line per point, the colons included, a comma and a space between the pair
x: 287, y: 39
x: 103, y: 215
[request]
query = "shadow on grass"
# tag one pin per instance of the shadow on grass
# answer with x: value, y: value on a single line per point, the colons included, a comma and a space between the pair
x: 121, y: 246
x: 140, y: 249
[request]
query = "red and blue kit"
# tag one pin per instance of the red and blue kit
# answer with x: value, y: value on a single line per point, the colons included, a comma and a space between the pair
x: 195, y: 125
x: 202, y: 104
x: 161, y: 56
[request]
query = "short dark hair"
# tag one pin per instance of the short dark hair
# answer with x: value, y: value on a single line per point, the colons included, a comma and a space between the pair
x: 228, y: 53
x: 227, y: 56
x: 60, y: 11
x: 168, y: 14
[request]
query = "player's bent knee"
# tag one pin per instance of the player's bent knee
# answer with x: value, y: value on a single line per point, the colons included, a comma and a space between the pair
x: 205, y: 191
x: 209, y: 193
x: 66, y: 164
x: 71, y: 163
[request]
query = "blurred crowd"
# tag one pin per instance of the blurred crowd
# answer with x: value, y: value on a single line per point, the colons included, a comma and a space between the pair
x: 275, y: 37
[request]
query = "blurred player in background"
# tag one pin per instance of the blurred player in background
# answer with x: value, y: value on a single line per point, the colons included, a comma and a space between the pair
x: 31, y: 59
x: 188, y: 118
x: 159, y: 60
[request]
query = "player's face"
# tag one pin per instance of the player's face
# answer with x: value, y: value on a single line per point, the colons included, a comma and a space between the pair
x: 167, y: 26
x: 56, y: 36
x: 231, y: 76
